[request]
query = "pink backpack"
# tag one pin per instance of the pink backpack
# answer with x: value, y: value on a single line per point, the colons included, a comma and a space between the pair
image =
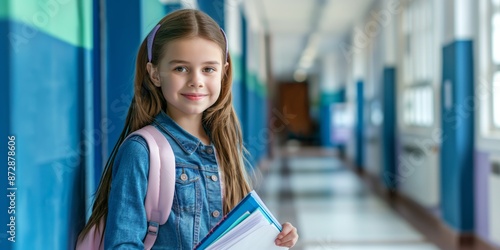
x: 159, y: 196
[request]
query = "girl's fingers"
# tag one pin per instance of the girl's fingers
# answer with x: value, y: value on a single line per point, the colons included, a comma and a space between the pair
x: 288, y: 236
x: 287, y: 228
x: 288, y: 244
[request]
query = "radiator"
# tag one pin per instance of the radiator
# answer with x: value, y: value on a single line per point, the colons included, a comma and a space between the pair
x: 418, y: 174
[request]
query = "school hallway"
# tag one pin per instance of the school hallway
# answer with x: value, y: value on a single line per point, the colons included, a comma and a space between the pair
x: 372, y: 124
x: 334, y: 208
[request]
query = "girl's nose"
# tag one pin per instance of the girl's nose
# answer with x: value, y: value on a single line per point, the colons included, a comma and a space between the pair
x: 194, y: 84
x: 196, y: 81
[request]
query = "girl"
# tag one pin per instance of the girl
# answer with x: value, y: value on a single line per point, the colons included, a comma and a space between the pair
x: 183, y: 87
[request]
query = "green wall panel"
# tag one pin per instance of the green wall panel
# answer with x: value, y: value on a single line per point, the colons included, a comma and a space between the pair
x: 237, y: 66
x: 151, y: 13
x: 4, y: 9
x: 254, y: 84
x: 67, y: 20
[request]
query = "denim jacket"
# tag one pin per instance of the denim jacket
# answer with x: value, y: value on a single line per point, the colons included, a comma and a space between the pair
x: 197, y: 204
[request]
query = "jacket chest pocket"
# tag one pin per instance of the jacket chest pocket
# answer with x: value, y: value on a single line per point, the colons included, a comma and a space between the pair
x: 187, y: 189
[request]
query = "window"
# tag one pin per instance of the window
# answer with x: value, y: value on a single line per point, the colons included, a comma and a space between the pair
x: 496, y: 99
x: 418, y: 68
x: 376, y: 115
x: 495, y: 62
x: 418, y: 106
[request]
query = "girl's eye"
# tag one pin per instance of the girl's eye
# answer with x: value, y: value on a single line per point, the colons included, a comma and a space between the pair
x: 209, y: 70
x: 181, y: 69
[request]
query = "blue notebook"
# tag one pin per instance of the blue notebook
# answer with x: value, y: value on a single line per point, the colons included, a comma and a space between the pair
x: 248, y: 205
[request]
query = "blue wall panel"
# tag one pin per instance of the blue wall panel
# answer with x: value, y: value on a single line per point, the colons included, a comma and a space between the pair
x: 263, y: 133
x: 244, y: 91
x: 47, y: 118
x: 5, y: 127
x: 359, y: 134
x: 252, y: 126
x: 98, y: 162
x: 256, y: 136
x: 215, y: 9
x: 457, y: 95
x: 325, y: 125
x: 121, y: 52
x: 389, y: 128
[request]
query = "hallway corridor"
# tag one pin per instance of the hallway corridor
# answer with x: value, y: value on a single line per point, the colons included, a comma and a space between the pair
x: 409, y: 88
x: 331, y: 206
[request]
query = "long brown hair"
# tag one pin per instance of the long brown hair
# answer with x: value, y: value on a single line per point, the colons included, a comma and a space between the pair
x: 220, y: 119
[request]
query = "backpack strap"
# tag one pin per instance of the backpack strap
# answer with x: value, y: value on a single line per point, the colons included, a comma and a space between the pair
x: 161, y: 181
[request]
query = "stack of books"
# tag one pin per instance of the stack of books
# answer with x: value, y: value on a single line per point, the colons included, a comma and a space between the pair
x: 250, y: 225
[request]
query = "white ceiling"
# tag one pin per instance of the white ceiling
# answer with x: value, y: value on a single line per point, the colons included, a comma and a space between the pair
x: 291, y: 22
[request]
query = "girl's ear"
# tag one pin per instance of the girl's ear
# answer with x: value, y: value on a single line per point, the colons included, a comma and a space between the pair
x: 226, y: 67
x: 154, y: 75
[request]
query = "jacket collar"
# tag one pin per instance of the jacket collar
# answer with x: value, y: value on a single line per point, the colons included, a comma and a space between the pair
x: 188, y: 142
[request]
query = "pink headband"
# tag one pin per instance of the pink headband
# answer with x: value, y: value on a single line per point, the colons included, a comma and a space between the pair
x: 151, y: 38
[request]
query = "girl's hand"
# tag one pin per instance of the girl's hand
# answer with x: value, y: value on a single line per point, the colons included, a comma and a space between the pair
x: 288, y: 236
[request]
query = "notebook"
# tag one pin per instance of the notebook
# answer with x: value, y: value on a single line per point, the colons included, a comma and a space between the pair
x: 250, y: 225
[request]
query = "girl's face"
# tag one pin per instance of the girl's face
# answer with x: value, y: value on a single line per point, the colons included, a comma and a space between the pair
x: 189, y: 75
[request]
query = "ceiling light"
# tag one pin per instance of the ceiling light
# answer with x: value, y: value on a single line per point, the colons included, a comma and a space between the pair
x: 300, y: 75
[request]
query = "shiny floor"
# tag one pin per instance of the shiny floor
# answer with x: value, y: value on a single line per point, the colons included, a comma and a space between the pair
x: 331, y: 206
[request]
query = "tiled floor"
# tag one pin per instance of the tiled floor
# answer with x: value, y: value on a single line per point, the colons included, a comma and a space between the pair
x: 331, y: 206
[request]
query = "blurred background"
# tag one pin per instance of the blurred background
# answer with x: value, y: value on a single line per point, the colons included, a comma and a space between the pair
x: 374, y: 124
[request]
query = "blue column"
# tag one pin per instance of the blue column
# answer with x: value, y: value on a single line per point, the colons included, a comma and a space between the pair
x: 5, y: 125
x: 359, y: 133
x: 457, y: 95
x: 389, y: 128
x: 4, y: 77
x: 121, y: 51
x: 244, y: 76
x: 244, y: 65
x: 325, y: 124
x: 214, y: 9
x: 97, y: 138
x: 252, y: 108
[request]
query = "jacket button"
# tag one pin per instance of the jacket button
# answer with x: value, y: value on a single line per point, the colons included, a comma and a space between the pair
x: 214, y: 177
x: 210, y: 150
x: 215, y: 213
x: 184, y: 177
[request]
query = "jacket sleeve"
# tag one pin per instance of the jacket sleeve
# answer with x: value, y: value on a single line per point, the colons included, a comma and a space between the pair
x: 126, y: 222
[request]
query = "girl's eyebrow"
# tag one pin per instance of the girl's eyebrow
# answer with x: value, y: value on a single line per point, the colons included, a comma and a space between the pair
x: 212, y: 62
x: 186, y: 62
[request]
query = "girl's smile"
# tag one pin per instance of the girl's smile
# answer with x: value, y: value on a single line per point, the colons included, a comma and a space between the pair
x: 194, y: 96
